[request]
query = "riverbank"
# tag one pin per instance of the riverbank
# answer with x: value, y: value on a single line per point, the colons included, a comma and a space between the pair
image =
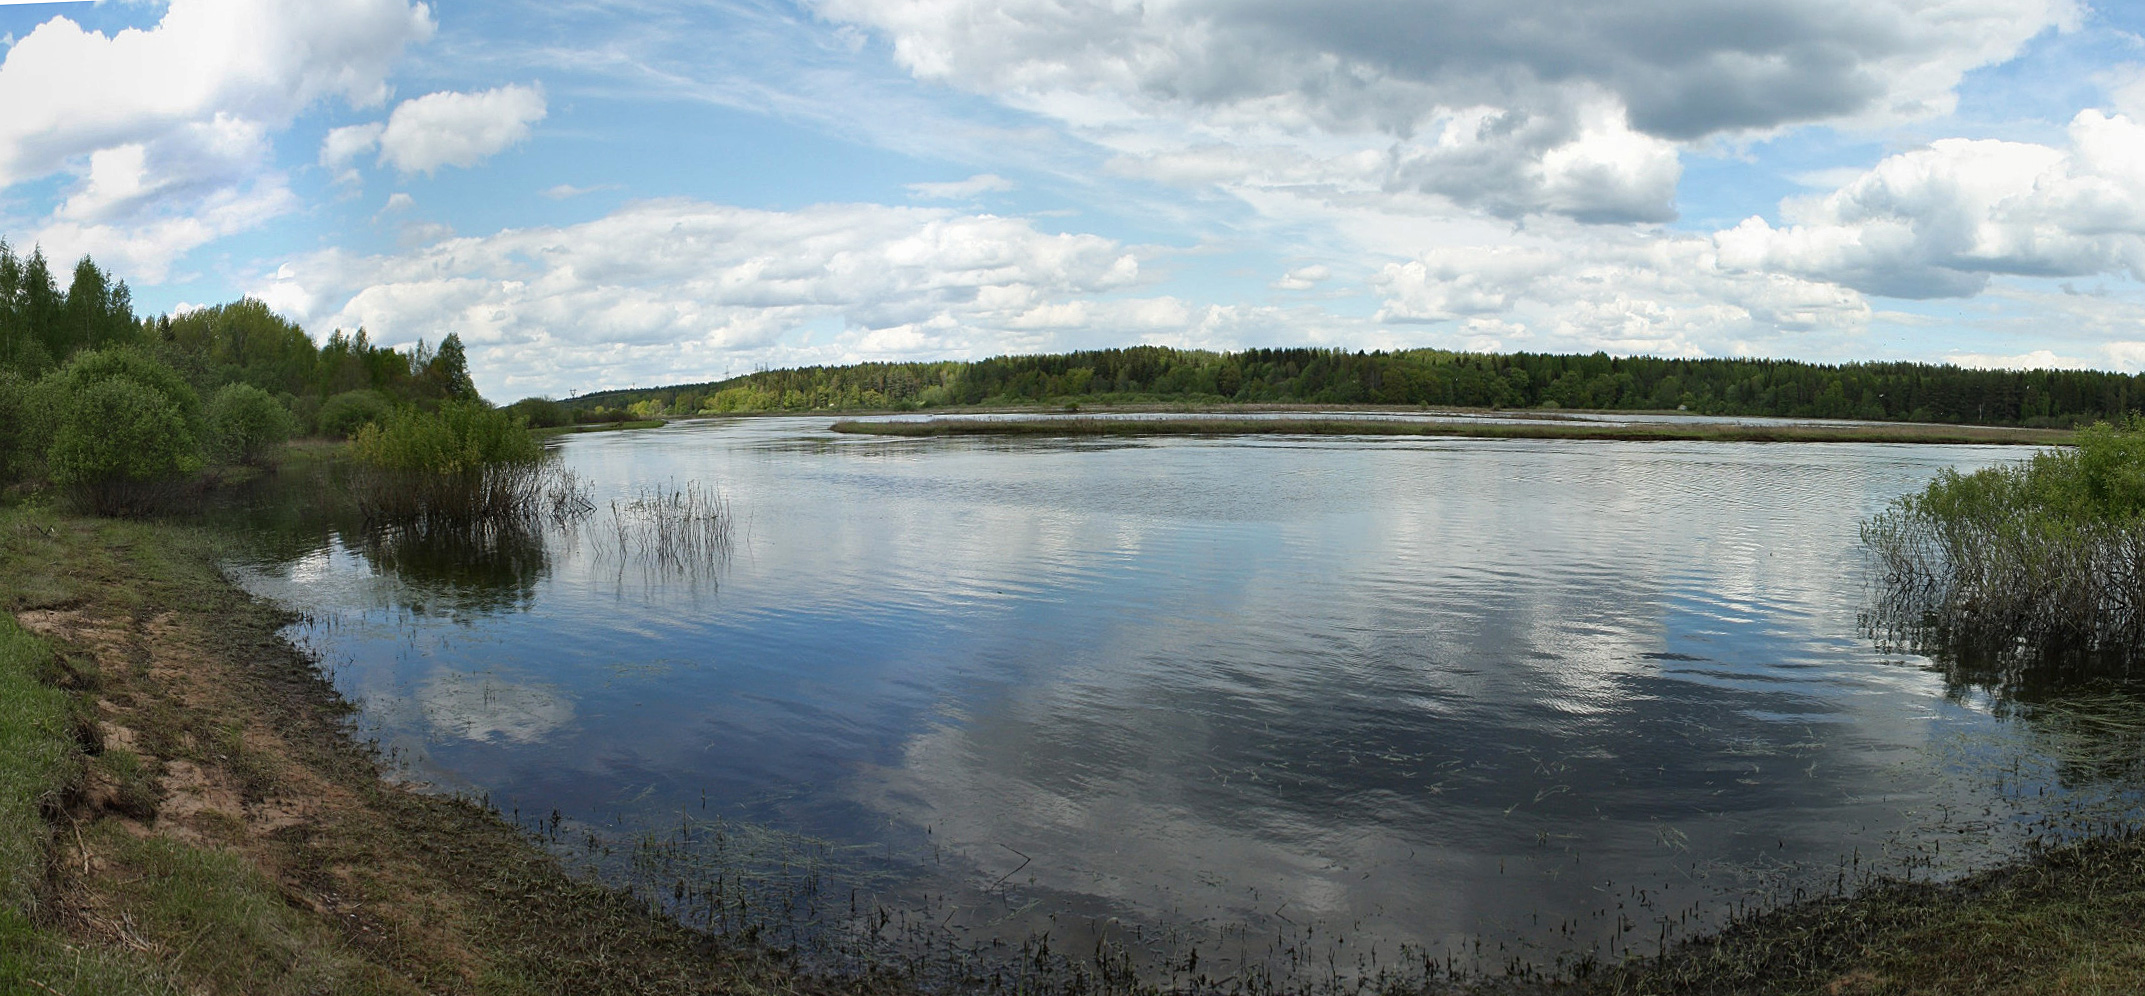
x: 185, y: 811
x: 1485, y: 428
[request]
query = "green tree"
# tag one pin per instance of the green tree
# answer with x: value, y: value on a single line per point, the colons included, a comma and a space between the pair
x: 448, y: 370
x: 344, y: 414
x: 246, y: 422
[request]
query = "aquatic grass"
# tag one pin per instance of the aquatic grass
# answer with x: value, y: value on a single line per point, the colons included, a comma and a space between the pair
x: 672, y: 528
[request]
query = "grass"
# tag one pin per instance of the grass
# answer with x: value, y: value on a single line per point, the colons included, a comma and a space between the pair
x: 567, y: 430
x: 37, y: 741
x: 1486, y: 429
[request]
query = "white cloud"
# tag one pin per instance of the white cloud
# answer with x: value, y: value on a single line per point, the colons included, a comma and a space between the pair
x: 70, y: 92
x: 1304, y: 277
x: 1664, y: 295
x: 676, y: 289
x: 1517, y: 107
x: 566, y: 190
x: 458, y: 129
x: 961, y: 190
x: 344, y: 145
x: 166, y: 129
x: 1942, y: 220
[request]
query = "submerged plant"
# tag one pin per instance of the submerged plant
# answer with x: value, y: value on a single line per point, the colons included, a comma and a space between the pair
x: 2043, y: 555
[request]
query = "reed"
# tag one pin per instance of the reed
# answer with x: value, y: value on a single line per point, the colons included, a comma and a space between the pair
x: 2044, y: 555
x: 672, y: 527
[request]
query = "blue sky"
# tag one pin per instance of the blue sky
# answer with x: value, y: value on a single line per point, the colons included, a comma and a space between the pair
x: 657, y: 191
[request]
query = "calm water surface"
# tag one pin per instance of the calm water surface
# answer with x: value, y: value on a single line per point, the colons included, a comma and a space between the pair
x: 1539, y: 694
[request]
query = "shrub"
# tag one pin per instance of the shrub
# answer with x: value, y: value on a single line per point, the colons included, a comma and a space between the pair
x: 55, y: 395
x: 467, y: 462
x: 460, y: 436
x: 344, y: 414
x: 246, y: 422
x: 541, y: 413
x: 119, y: 445
x: 2046, y: 554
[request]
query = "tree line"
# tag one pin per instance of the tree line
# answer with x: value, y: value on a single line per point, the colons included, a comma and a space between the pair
x: 117, y: 406
x: 1920, y: 392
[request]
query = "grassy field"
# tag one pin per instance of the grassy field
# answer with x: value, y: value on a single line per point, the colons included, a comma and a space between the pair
x: 1482, y: 429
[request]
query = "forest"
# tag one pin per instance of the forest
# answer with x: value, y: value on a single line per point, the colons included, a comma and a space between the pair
x: 1920, y: 392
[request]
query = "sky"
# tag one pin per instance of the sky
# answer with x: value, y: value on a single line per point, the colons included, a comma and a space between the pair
x: 644, y: 192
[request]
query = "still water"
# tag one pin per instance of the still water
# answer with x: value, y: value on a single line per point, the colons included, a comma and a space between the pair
x: 1524, y: 697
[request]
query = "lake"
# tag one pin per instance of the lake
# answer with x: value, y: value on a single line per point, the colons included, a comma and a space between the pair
x: 1274, y: 698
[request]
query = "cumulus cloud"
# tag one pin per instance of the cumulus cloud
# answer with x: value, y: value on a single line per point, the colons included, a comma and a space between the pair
x: 458, y: 129
x: 166, y: 128
x: 1565, y: 107
x: 1661, y: 295
x: 1941, y: 221
x: 678, y: 288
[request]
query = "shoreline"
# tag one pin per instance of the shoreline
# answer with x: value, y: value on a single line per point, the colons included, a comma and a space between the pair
x: 1918, y: 433
x: 253, y: 813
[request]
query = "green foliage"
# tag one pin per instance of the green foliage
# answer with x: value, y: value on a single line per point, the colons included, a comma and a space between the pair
x: 541, y: 413
x: 14, y: 418
x: 2043, y: 553
x: 40, y: 325
x: 56, y: 393
x: 344, y: 414
x: 461, y: 436
x: 1874, y: 391
x: 117, y: 433
x: 246, y: 422
x: 37, y: 761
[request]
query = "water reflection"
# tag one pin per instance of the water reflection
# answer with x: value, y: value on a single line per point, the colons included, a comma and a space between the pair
x: 1419, y: 692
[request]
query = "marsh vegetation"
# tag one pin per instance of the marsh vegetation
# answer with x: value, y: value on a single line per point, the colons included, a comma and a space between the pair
x: 2041, y: 558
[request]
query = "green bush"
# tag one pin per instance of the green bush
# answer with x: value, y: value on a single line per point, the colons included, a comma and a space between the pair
x: 2041, y: 554
x: 461, y: 436
x: 55, y: 396
x: 246, y: 422
x: 344, y: 414
x: 117, y: 435
x: 467, y: 462
x: 541, y: 413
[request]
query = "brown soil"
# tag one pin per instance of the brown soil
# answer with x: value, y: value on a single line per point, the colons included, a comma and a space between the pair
x: 243, y: 750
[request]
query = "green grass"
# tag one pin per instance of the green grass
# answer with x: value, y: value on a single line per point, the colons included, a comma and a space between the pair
x: 40, y: 759
x: 1485, y: 428
x: 568, y: 430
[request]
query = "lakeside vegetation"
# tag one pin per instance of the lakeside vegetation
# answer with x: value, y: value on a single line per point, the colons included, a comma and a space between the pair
x: 1475, y: 428
x: 2041, y: 556
x: 1911, y: 392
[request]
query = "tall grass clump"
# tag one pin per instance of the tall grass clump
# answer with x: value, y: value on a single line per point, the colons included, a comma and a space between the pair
x: 2043, y: 555
x: 466, y: 463
x: 37, y: 759
x: 673, y: 528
